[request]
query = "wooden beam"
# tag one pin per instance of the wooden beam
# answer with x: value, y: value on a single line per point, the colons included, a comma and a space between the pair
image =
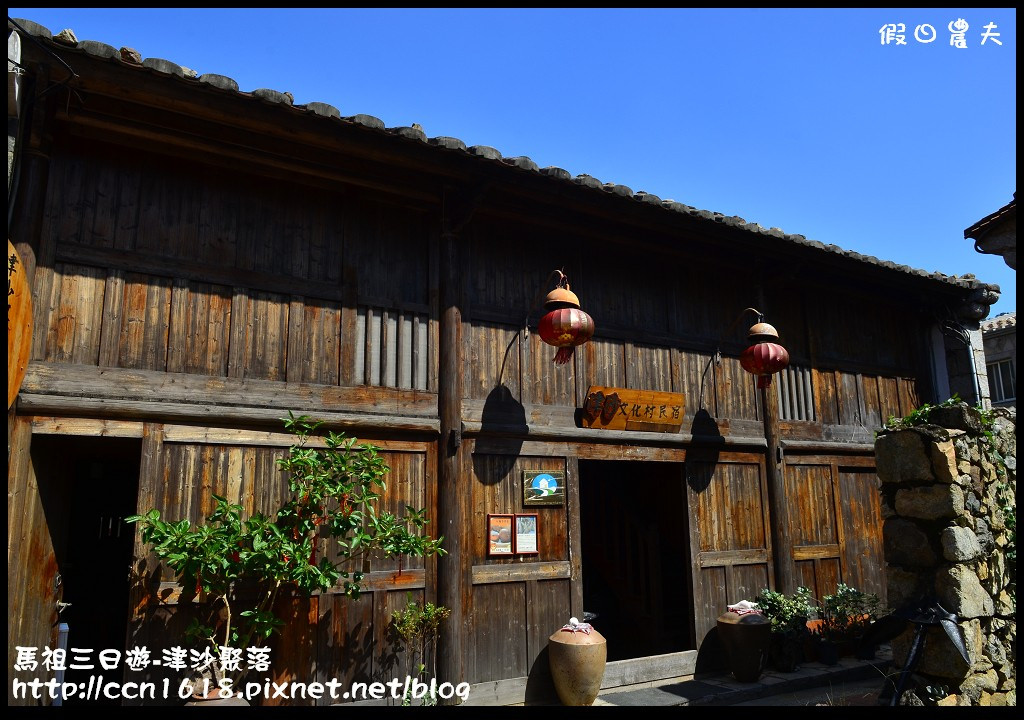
x: 212, y: 396
x: 519, y: 572
x: 827, y: 447
x: 574, y: 512
x: 732, y: 557
x: 89, y: 427
x: 815, y: 552
x: 454, y: 580
x: 182, y: 412
x: 275, y: 164
x: 617, y: 437
x: 781, y: 537
x: 828, y: 457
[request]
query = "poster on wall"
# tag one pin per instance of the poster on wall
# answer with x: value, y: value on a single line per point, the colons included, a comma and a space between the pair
x: 543, y: 487
x: 526, y: 534
x: 500, y: 538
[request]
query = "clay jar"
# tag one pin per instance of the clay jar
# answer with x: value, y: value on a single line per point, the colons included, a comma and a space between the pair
x: 577, y: 662
x: 746, y: 638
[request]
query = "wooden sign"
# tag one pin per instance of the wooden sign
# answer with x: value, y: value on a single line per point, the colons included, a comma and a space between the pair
x: 19, y: 323
x: 621, y: 409
x: 543, y: 487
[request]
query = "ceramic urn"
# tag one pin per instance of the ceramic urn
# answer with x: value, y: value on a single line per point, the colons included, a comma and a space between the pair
x: 577, y: 654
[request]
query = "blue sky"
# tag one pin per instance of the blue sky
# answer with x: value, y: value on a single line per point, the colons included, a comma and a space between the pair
x: 792, y: 118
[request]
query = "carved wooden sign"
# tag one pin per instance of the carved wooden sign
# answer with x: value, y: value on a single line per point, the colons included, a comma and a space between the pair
x: 19, y: 323
x: 621, y: 409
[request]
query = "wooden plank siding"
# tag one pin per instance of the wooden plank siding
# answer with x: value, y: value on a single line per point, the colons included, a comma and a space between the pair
x: 535, y: 589
x: 329, y: 633
x: 498, y: 488
x: 33, y: 529
x: 834, y: 522
x: 861, y: 518
x: 218, y: 276
x: 730, y: 545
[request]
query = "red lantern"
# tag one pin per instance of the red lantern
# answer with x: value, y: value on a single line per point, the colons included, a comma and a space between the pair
x: 564, y: 326
x: 764, y: 357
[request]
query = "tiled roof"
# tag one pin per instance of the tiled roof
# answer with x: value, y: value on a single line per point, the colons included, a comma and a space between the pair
x: 985, y: 294
x: 981, y: 227
x: 1003, y: 321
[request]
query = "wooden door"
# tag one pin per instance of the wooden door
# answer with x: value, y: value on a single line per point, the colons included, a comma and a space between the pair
x: 832, y: 524
x: 730, y: 538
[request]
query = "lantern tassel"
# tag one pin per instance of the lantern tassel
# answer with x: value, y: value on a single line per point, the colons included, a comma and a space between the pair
x: 563, y: 355
x: 764, y: 381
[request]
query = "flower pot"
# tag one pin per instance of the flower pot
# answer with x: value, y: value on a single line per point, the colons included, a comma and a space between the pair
x: 812, y: 647
x: 205, y: 693
x: 746, y: 638
x: 577, y: 661
x: 785, y: 652
x: 865, y: 652
x: 828, y: 652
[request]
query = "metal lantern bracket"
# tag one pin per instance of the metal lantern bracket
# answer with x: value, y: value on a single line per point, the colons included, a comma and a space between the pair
x: 561, y: 281
x: 778, y: 355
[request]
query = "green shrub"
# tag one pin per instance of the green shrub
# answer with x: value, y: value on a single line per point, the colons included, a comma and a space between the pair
x: 847, y: 613
x: 787, y: 613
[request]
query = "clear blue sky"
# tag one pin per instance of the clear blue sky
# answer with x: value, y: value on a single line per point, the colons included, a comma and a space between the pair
x: 798, y: 119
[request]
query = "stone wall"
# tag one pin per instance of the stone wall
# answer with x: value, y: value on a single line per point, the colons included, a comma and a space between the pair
x: 946, y: 486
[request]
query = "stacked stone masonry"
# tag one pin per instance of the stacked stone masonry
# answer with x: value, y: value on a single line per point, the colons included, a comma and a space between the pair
x: 948, y: 492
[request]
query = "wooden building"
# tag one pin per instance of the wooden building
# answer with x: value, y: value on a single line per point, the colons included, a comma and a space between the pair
x: 203, y: 260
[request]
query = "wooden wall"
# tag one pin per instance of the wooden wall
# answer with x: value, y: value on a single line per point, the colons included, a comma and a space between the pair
x: 221, y: 275
x: 32, y: 531
x: 854, y: 359
x: 155, y: 266
x: 833, y: 523
x: 730, y: 537
x: 336, y: 636
x: 517, y: 602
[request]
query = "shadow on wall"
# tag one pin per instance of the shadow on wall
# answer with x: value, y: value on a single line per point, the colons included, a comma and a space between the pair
x: 540, y: 686
x: 504, y: 414
x: 702, y: 457
x: 711, y: 655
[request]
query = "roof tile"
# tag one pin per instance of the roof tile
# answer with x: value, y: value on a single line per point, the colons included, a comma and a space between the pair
x: 485, y: 151
x: 448, y: 142
x: 367, y: 120
x: 273, y: 96
x: 410, y: 132
x: 219, y: 81
x: 97, y: 48
x: 556, y: 172
x: 164, y: 66
x: 323, y: 109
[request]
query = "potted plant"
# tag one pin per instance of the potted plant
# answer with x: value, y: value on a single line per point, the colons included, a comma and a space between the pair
x: 789, y: 632
x: 237, y: 567
x: 845, y: 615
x: 416, y: 628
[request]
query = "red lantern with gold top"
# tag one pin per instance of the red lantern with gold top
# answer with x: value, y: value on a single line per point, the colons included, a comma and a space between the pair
x: 565, y: 325
x: 765, y: 357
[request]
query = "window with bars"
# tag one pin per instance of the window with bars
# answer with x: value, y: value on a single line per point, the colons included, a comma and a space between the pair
x: 1002, y: 381
x: 391, y: 348
x: 796, y: 394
